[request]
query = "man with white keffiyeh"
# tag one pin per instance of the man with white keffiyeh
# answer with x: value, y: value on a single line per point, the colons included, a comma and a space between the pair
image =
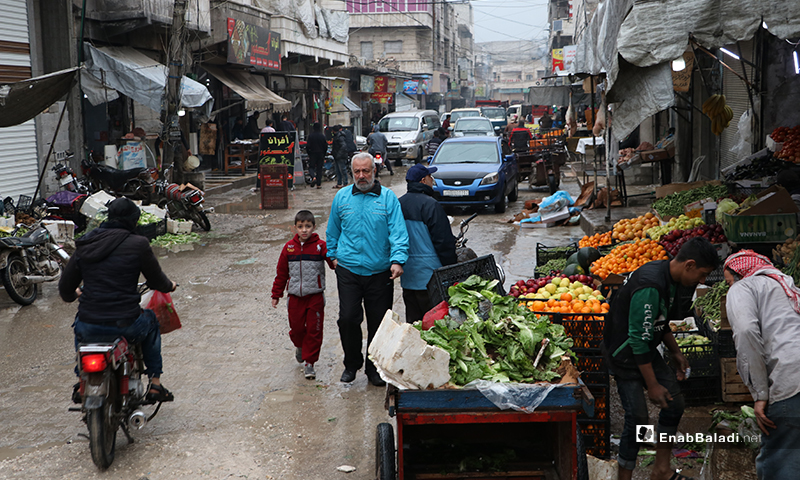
x: 763, y: 306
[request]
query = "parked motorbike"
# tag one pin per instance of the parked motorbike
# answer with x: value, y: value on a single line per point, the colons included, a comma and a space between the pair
x: 187, y: 204
x: 29, y: 260
x: 464, y: 253
x: 136, y: 183
x: 66, y: 176
x: 112, y: 390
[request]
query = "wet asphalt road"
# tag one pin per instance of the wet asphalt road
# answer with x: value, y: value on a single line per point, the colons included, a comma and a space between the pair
x: 243, y: 408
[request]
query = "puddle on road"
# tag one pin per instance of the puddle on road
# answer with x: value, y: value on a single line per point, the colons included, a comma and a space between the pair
x: 11, y: 452
x: 249, y: 204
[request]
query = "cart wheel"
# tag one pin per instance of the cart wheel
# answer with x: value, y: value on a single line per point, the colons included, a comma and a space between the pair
x: 384, y: 453
x: 552, y: 183
x: 583, y: 467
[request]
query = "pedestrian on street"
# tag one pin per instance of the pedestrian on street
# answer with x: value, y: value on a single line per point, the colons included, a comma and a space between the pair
x: 439, y: 135
x: 316, y: 148
x: 763, y: 306
x: 638, y: 322
x: 446, y: 123
x: 431, y: 243
x: 301, y: 271
x: 108, y: 260
x: 350, y: 142
x: 287, y: 125
x: 378, y: 142
x: 340, y: 156
x: 269, y: 127
x: 368, y: 242
x: 251, y: 130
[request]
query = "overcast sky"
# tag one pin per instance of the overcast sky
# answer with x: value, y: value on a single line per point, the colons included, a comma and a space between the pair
x: 503, y: 20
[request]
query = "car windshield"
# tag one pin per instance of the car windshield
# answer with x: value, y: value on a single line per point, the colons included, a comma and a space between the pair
x: 473, y: 125
x: 398, y: 124
x: 494, y: 113
x: 467, y: 113
x: 466, y: 152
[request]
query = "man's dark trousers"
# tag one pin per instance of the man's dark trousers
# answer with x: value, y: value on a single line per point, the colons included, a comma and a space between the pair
x: 376, y: 292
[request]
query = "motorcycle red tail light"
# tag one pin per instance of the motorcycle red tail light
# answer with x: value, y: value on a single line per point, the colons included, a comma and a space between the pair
x: 93, y: 362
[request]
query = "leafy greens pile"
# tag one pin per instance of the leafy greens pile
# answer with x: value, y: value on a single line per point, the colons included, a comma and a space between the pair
x: 499, y: 340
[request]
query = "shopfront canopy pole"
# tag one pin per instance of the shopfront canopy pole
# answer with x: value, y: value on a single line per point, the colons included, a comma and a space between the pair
x: 594, y: 140
x: 170, y: 130
x: 49, y: 151
x: 609, y: 146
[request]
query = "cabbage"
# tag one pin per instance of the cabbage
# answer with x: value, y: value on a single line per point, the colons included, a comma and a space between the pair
x: 725, y: 206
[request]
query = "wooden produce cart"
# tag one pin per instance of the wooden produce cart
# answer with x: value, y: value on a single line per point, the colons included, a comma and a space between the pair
x: 460, y: 434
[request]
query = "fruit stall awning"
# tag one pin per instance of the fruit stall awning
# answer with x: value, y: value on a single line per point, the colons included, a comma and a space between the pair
x: 23, y: 100
x: 250, y: 87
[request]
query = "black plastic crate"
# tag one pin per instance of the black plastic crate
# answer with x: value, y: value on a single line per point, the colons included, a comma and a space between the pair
x: 591, y: 362
x: 445, y: 277
x: 701, y: 390
x: 595, y: 379
x: 601, y: 403
x: 703, y: 359
x: 544, y: 254
x: 585, y: 329
x: 715, y: 276
x: 152, y: 230
x: 596, y: 437
x: 606, y: 249
x: 725, y: 345
x: 24, y: 204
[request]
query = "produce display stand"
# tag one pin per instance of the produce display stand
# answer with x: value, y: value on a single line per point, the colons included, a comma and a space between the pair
x: 545, y: 441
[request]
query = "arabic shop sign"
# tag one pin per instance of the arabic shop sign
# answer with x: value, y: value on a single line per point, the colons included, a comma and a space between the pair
x: 276, y: 147
x: 253, y: 46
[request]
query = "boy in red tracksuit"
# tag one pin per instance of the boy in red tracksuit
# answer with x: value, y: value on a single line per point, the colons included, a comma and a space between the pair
x: 302, y: 266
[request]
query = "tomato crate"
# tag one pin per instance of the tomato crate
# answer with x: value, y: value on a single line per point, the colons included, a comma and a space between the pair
x: 585, y: 329
x: 595, y: 379
x: 445, y: 277
x: 596, y: 437
x: 544, y: 254
x: 703, y: 359
x: 701, y: 390
x: 591, y: 362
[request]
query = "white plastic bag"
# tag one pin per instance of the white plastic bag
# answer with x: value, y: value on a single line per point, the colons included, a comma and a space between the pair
x: 743, y: 146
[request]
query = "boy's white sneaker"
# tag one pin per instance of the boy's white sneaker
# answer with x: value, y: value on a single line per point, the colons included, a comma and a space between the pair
x: 308, y: 371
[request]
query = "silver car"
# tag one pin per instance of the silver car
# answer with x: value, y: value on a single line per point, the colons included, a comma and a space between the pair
x: 474, y: 126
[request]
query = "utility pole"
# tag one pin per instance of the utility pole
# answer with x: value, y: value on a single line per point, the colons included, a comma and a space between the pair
x: 176, y: 56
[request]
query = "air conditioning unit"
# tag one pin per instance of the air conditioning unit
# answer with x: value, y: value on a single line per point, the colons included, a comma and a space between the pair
x: 558, y: 25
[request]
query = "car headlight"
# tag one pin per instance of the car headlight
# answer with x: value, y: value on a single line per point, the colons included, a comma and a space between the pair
x: 408, y: 143
x: 490, y: 179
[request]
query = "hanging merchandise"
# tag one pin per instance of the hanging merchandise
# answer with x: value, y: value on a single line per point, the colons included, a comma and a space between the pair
x: 719, y: 113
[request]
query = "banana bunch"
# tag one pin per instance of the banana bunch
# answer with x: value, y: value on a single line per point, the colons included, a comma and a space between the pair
x: 719, y: 113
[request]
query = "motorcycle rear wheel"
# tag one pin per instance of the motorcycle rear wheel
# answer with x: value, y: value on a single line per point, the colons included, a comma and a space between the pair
x: 200, y: 219
x: 12, y: 281
x: 103, y: 426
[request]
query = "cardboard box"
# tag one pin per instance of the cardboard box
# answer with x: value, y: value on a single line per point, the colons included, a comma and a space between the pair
x: 95, y: 203
x: 733, y: 388
x: 60, y: 230
x: 665, y: 190
x: 773, y: 218
x: 657, y: 155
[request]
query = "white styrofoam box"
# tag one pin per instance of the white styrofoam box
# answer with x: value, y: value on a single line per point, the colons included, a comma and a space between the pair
x: 404, y: 359
x: 6, y: 221
x: 158, y: 212
x: 60, y: 230
x: 95, y: 203
x: 178, y: 226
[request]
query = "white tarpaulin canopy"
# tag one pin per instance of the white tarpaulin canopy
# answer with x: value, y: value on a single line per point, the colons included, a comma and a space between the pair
x: 634, y: 42
x: 134, y: 74
x: 250, y: 87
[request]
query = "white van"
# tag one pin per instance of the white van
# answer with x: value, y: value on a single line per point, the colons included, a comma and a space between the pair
x: 408, y: 132
x: 512, y: 113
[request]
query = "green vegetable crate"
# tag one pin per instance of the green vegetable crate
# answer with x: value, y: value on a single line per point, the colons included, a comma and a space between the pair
x: 545, y: 254
x: 703, y: 359
x: 152, y: 230
x: 445, y: 277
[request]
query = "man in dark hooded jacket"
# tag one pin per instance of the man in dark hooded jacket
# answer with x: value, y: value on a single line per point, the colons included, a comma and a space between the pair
x: 108, y: 260
x: 431, y: 243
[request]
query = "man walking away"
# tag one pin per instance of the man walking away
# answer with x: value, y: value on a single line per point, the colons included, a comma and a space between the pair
x: 350, y: 142
x: 339, y: 152
x: 251, y: 130
x: 638, y: 323
x: 431, y: 243
x: 316, y: 147
x: 763, y: 307
x: 438, y: 138
x: 286, y: 124
x: 368, y: 242
x: 377, y: 142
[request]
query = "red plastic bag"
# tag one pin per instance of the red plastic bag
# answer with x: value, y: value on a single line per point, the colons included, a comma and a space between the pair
x: 436, y: 313
x: 161, y: 304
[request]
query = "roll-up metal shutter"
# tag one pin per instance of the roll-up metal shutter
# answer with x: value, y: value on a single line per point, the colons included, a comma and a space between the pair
x: 18, y: 146
x: 736, y: 97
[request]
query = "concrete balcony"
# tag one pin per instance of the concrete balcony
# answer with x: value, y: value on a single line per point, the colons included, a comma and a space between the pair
x: 129, y: 15
x: 294, y: 41
x: 411, y: 19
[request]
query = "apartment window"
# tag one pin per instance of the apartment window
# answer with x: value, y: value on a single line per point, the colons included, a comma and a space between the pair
x: 394, y: 46
x: 366, y: 50
x: 528, y: 77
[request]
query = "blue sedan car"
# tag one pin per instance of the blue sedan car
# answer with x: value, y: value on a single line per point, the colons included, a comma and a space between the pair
x: 473, y: 171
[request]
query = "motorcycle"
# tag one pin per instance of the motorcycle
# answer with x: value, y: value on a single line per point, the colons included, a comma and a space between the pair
x: 29, y: 260
x: 112, y: 390
x: 66, y: 176
x: 187, y: 204
x: 464, y: 253
x: 379, y: 163
x: 136, y: 183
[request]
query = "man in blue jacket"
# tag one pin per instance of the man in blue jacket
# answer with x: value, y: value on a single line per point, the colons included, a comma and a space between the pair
x: 368, y: 242
x: 431, y: 241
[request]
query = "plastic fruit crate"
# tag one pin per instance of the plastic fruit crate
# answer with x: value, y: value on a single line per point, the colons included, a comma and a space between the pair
x: 591, y: 363
x: 586, y: 330
x: 544, y: 254
x: 596, y: 437
x: 701, y: 391
x: 703, y: 359
x: 152, y: 230
x: 725, y: 345
x: 445, y: 277
x: 595, y: 379
x: 601, y: 402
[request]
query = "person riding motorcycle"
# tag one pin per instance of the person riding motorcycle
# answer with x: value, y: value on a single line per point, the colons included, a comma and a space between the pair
x: 108, y: 260
x: 378, y: 142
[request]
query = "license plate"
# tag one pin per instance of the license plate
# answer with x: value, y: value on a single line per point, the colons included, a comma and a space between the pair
x: 455, y: 193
